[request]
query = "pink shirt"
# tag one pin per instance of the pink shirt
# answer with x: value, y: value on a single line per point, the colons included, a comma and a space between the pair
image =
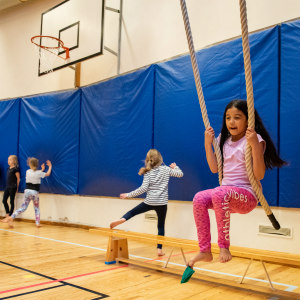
x: 234, y: 167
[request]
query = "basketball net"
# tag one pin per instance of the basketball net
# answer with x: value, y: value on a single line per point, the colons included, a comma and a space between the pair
x: 50, y: 51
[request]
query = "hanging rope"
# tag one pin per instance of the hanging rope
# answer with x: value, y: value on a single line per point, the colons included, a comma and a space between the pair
x: 251, y: 115
x: 198, y: 85
x: 250, y: 102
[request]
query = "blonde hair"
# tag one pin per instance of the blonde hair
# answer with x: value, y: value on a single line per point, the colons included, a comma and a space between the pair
x: 153, y: 159
x: 14, y: 159
x: 33, y: 163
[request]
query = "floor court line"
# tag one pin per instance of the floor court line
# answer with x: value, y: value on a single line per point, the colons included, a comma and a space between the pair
x: 60, y: 280
x: 162, y: 257
x: 32, y: 292
x: 289, y: 288
x: 53, y: 240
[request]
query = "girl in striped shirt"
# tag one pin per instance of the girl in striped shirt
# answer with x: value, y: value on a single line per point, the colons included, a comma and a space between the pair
x: 155, y: 184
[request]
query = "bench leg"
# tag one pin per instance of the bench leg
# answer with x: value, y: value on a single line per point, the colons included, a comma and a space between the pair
x: 117, y: 247
x: 246, y: 271
x: 183, y: 256
x: 270, y: 282
x: 265, y: 269
x: 123, y: 248
x: 166, y: 264
x: 112, y: 251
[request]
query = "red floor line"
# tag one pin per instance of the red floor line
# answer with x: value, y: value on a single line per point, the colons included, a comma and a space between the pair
x: 62, y: 279
x: 82, y: 275
x: 161, y: 257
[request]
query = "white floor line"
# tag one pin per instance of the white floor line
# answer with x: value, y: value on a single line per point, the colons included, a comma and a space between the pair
x: 289, y: 288
x: 53, y: 240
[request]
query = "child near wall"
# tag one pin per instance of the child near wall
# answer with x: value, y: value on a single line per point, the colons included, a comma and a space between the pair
x: 155, y: 184
x: 33, y: 182
x: 12, y: 185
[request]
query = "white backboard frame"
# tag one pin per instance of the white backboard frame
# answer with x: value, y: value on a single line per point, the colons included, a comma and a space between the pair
x: 79, y: 24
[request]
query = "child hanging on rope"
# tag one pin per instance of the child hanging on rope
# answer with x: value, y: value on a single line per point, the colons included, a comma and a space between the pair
x: 33, y: 182
x: 155, y: 183
x: 235, y: 195
x: 12, y: 185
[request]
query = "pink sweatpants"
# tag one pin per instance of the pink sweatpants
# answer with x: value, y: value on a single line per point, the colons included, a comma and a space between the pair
x: 224, y: 200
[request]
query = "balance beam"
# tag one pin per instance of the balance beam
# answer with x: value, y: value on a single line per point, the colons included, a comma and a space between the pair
x: 117, y: 250
x: 281, y: 258
x: 218, y: 281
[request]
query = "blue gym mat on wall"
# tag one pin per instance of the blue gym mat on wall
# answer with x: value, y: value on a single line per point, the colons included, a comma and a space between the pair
x: 116, y: 133
x: 179, y: 129
x: 289, y: 177
x: 97, y: 136
x: 50, y: 130
x: 9, y: 128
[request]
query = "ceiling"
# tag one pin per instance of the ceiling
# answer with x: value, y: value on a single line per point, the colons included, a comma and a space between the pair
x: 9, y: 3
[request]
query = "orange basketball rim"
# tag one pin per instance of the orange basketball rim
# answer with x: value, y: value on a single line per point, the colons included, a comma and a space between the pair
x: 51, y: 44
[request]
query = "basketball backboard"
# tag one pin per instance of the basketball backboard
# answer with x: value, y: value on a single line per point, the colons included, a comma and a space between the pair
x: 79, y: 24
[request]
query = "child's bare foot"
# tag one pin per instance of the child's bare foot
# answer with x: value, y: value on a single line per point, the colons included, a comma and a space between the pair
x: 10, y: 222
x: 116, y: 223
x: 160, y: 252
x: 4, y: 220
x: 201, y: 256
x: 38, y: 225
x: 225, y: 255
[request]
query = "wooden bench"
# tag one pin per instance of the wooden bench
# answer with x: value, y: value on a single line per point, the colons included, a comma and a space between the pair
x: 117, y: 250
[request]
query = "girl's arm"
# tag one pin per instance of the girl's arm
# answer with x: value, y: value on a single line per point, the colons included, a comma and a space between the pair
x: 175, y: 171
x: 18, y: 180
x: 141, y: 190
x: 210, y: 155
x: 49, y: 164
x: 257, y: 149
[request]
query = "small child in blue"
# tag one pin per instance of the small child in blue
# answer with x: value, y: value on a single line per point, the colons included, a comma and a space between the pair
x: 155, y: 183
x: 33, y: 182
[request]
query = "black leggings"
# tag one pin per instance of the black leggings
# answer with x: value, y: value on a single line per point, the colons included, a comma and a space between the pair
x: 9, y: 193
x: 161, y: 211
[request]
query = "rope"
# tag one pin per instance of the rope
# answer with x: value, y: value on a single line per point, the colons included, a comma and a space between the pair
x: 198, y: 85
x: 251, y: 115
x: 250, y: 102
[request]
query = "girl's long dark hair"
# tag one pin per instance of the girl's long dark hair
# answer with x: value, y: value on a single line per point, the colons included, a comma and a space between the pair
x: 271, y: 156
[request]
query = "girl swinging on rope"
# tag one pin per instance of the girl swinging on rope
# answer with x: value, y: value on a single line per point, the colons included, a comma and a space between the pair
x: 235, y: 195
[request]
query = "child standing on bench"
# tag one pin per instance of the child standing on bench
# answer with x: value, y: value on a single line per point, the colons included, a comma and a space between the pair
x: 235, y: 195
x: 155, y: 184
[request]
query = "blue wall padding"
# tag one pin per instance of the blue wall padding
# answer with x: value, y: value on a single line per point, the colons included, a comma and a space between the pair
x: 9, y: 131
x: 116, y: 133
x: 97, y: 137
x: 289, y: 177
x: 178, y: 126
x: 50, y: 130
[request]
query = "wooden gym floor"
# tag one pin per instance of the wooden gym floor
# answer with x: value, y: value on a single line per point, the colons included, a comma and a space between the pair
x: 56, y: 262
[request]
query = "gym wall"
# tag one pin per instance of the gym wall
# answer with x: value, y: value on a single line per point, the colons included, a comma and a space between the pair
x: 97, y: 136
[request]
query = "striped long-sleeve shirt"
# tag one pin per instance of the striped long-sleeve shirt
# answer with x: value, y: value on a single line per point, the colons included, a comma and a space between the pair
x: 155, y: 183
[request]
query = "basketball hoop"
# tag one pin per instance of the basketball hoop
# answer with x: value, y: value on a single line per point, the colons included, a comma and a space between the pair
x: 49, y: 49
